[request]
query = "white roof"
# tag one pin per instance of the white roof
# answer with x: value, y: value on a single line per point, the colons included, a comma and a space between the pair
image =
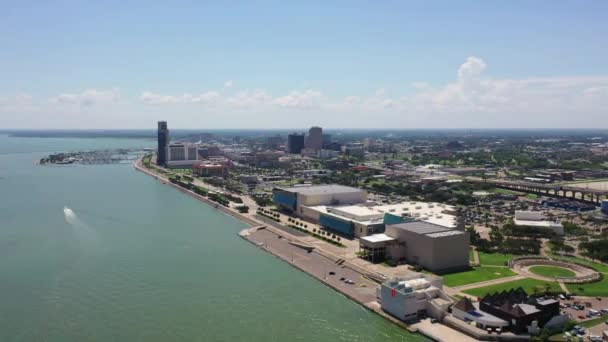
x: 377, y: 238
x: 543, y: 224
x: 368, y: 213
x: 443, y: 234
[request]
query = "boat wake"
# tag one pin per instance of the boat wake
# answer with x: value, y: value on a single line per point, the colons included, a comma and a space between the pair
x: 85, y: 234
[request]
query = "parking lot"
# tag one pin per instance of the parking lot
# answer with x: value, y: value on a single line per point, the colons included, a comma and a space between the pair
x: 579, y: 307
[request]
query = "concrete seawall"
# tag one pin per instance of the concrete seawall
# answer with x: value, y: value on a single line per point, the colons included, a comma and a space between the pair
x: 364, y: 298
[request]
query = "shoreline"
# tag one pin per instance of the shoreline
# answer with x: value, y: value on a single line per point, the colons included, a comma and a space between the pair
x: 346, y: 291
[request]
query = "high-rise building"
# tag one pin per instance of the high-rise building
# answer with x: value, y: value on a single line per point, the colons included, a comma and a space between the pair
x: 314, y: 140
x: 274, y: 142
x: 181, y: 155
x: 295, y: 143
x: 163, y: 142
x: 326, y: 140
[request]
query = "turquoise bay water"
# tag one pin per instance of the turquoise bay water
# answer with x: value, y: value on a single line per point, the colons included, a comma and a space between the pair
x: 104, y: 253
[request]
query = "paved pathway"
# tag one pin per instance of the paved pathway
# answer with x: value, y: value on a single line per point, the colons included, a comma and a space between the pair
x: 475, y: 256
x: 563, y: 286
x: 440, y: 332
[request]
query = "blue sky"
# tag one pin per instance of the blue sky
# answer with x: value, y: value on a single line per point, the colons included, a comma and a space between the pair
x: 78, y: 64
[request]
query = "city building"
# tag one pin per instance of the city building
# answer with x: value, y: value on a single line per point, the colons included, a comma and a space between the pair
x: 181, y: 155
x: 274, y: 142
x: 355, y: 150
x: 314, y: 140
x: 414, y: 297
x: 163, y: 142
x: 326, y: 141
x: 206, y: 169
x: 327, y: 154
x: 309, y: 152
x: 468, y: 311
x: 249, y: 179
x: 295, y: 143
x: 267, y: 159
x: 362, y: 219
x: 294, y: 199
x: 513, y: 310
x: 430, y: 246
x: 537, y: 219
x: 209, y: 151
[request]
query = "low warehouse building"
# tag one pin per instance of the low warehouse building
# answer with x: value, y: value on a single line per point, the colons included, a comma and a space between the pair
x: 537, y: 219
x: 294, y: 198
x: 367, y: 218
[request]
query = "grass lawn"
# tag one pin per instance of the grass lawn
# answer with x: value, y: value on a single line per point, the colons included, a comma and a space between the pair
x: 476, y: 275
x: 527, y: 284
x: 552, y: 271
x: 532, y: 196
x: 603, y: 268
x: 599, y: 288
x: 495, y: 259
x: 504, y: 191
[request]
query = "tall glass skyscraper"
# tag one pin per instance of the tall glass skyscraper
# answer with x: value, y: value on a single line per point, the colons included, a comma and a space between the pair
x: 295, y: 143
x: 163, y: 142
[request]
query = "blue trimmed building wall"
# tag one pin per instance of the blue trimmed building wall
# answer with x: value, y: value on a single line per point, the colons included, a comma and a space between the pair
x: 285, y: 199
x: 345, y: 228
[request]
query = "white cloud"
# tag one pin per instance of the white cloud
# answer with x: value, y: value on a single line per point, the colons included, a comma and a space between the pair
x: 249, y: 99
x: 471, y: 68
x: 208, y: 97
x: 299, y: 99
x: 471, y: 99
x: 88, y: 97
x: 156, y: 99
